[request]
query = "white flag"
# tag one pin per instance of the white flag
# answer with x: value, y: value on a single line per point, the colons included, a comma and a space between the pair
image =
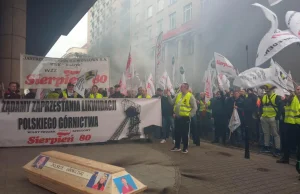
x: 265, y: 42
x: 150, y: 86
x: 224, y: 66
x: 290, y: 83
x: 235, y: 121
x: 208, y: 87
x: 223, y: 81
x: 163, y: 79
x: 169, y: 86
x: 122, y: 83
x: 274, y: 2
x: 81, y: 84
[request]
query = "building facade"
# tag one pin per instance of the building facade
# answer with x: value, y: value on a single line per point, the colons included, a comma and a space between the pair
x: 109, y: 33
x: 179, y: 22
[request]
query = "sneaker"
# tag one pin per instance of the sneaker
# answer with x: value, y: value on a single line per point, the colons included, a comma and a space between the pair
x: 185, y: 151
x: 175, y: 150
x: 276, y: 153
x: 265, y: 149
x: 163, y: 141
x: 283, y: 161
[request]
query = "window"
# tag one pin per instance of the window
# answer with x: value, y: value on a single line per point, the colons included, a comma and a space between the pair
x: 187, y: 11
x: 172, y: 1
x: 149, y: 12
x: 137, y: 18
x: 149, y: 30
x: 160, y: 5
x: 159, y: 26
x: 172, y: 21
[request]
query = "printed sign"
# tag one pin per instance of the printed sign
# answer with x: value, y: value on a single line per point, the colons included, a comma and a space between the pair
x: 125, y: 184
x: 49, y: 73
x: 53, y: 122
x: 40, y: 162
x: 98, y: 181
x: 69, y: 170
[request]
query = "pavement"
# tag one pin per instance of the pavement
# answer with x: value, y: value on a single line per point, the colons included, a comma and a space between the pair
x: 208, y: 169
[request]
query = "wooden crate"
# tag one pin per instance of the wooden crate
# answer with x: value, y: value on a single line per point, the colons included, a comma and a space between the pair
x: 67, y: 174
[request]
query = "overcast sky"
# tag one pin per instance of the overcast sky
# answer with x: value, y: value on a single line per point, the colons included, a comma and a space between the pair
x: 76, y: 38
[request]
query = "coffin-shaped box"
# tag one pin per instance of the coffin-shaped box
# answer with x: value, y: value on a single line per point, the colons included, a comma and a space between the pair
x: 67, y: 174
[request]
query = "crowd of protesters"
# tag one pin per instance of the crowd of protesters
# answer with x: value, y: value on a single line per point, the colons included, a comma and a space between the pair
x: 270, y: 120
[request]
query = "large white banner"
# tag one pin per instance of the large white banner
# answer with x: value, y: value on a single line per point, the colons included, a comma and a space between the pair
x: 49, y: 73
x: 224, y: 66
x: 41, y: 122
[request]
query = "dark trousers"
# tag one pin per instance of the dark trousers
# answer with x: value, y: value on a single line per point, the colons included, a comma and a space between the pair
x: 182, y: 128
x: 167, y: 123
x: 292, y: 137
x: 195, y: 131
x: 221, y: 126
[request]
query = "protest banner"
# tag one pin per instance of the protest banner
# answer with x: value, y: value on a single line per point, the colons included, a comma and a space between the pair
x: 224, y: 66
x: 292, y: 19
x: 54, y: 122
x: 49, y: 73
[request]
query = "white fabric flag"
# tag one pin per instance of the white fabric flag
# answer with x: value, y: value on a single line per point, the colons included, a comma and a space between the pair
x: 150, y: 86
x: 82, y: 81
x: 163, y: 79
x: 122, y: 83
x: 224, y: 66
x: 274, y: 2
x: 169, y: 86
x: 292, y: 20
x: 290, y: 83
x: 223, y: 82
x: 265, y: 42
x: 208, y: 87
x: 235, y: 121
x: 280, y: 75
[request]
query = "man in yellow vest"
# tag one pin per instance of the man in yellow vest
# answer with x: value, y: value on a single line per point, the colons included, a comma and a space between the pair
x: 185, y: 108
x: 94, y: 93
x: 69, y: 92
x: 271, y: 111
x: 292, y: 122
x: 144, y: 94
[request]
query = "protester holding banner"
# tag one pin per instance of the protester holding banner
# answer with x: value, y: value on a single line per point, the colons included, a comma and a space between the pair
x: 185, y: 108
x: 117, y: 93
x: 144, y: 94
x: 94, y: 93
x: 69, y: 92
x: 31, y: 94
x: 54, y: 94
x: 271, y: 112
x: 12, y: 92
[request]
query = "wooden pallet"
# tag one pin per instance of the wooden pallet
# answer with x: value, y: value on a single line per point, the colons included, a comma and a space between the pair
x: 67, y: 174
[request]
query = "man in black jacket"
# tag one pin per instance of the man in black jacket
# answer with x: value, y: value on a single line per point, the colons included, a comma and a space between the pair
x: 117, y: 93
x: 219, y: 116
x: 167, y: 115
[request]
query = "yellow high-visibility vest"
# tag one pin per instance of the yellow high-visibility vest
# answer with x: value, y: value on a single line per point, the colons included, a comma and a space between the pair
x: 65, y: 95
x: 202, y: 106
x: 184, y: 103
x: 148, y: 96
x: 292, y: 114
x: 269, y: 107
x: 97, y: 95
x: 53, y: 95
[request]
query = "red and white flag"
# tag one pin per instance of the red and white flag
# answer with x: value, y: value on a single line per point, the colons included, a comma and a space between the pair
x: 128, y: 67
x: 122, y: 83
x: 208, y: 87
x: 150, y: 86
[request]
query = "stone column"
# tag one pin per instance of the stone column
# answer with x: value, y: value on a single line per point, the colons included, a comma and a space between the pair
x: 12, y: 38
x: 196, y: 55
x: 179, y: 61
